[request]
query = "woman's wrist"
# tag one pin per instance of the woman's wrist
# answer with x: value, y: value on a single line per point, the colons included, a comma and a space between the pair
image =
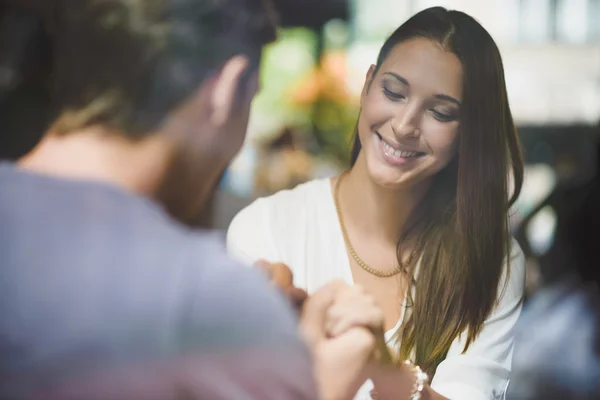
x: 419, y: 389
x: 392, y: 382
x: 405, y: 381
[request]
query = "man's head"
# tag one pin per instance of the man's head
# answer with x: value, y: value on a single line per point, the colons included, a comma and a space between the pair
x: 184, y: 71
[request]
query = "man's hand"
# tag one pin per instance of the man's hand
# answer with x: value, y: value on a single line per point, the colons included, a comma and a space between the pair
x: 341, y: 361
x: 282, y: 277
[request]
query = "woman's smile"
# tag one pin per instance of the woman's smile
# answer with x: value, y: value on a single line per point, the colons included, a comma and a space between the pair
x: 396, y: 154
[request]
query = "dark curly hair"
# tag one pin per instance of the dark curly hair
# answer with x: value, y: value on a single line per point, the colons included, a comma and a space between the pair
x: 127, y: 64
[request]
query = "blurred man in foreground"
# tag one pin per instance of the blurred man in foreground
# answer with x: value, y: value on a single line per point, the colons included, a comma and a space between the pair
x: 104, y: 294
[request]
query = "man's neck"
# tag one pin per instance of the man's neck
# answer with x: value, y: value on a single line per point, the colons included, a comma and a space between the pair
x: 97, y: 155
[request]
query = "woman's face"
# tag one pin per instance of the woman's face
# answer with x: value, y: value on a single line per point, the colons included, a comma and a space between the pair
x: 409, y: 121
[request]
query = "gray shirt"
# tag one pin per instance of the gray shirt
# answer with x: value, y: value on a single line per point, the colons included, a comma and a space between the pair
x: 103, y: 296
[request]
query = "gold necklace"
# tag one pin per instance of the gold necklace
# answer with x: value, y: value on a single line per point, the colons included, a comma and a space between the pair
x: 361, y: 263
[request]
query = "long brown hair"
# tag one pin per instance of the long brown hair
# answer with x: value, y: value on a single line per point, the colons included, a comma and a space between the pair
x: 462, y: 226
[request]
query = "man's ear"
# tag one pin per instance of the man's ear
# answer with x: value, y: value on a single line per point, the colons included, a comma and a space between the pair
x: 368, y: 79
x: 225, y: 89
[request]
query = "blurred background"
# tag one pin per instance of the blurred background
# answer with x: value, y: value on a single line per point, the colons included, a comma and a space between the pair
x: 302, y: 122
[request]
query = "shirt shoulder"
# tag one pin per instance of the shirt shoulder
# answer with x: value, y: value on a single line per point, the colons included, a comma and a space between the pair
x: 263, y: 228
x: 286, y: 203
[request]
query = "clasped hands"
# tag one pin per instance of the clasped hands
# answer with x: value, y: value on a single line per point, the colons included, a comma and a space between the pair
x: 343, y: 327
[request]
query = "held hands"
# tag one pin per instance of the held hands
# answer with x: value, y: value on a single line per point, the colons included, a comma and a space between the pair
x: 354, y: 322
x: 338, y: 373
x: 343, y: 326
x: 338, y: 323
x: 351, y: 305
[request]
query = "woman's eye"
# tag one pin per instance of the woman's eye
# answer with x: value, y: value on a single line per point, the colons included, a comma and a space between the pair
x: 443, y: 117
x: 392, y: 95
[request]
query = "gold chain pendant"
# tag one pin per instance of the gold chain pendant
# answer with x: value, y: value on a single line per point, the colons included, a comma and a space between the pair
x: 359, y: 261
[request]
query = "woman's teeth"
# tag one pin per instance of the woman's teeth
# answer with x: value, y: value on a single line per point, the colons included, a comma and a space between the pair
x: 398, y: 153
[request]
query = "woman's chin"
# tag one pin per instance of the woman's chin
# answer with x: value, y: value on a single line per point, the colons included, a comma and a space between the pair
x: 387, y: 176
x: 390, y: 176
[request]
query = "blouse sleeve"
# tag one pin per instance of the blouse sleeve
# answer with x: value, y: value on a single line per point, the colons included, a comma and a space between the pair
x: 249, y: 238
x: 483, y: 371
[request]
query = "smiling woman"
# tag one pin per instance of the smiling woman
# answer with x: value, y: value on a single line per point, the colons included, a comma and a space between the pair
x: 420, y: 220
x: 426, y: 82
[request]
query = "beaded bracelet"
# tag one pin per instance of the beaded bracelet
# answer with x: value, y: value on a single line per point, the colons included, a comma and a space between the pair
x: 421, y: 380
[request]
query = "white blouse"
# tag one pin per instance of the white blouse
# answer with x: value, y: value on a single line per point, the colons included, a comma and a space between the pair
x: 300, y: 228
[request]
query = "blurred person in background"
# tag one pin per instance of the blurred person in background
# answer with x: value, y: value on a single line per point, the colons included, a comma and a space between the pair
x: 557, y: 350
x: 420, y: 220
x: 105, y: 291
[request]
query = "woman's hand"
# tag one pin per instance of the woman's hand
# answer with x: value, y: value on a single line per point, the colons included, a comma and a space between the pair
x: 353, y: 307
